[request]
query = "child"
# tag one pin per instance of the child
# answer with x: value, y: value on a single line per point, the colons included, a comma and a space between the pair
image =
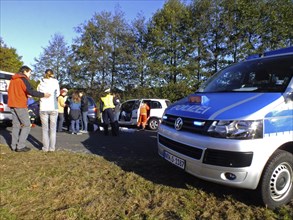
x: 75, y: 113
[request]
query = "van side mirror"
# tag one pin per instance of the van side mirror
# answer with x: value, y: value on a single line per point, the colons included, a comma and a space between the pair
x: 288, y: 96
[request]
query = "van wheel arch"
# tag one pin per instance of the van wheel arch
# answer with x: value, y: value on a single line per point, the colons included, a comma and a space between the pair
x: 276, y: 184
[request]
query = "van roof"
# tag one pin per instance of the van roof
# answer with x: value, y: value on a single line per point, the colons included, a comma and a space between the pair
x: 281, y: 51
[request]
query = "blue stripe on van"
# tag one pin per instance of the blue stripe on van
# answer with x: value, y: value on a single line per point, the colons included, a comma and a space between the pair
x: 224, y: 106
x: 278, y: 124
x: 278, y: 120
x: 276, y: 113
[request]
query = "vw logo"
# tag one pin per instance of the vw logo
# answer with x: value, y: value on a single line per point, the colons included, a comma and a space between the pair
x: 178, y: 124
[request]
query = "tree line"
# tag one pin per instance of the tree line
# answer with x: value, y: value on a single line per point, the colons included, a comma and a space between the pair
x: 170, y: 54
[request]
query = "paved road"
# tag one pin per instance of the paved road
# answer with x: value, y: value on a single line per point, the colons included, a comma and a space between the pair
x: 130, y: 142
x: 133, y: 150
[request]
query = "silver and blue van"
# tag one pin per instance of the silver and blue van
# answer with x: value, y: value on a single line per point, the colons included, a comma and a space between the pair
x: 237, y: 129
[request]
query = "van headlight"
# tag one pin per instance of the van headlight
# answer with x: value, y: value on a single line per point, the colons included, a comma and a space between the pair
x: 237, y: 129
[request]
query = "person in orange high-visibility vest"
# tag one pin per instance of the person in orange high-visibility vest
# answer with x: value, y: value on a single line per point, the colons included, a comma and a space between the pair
x: 143, y: 115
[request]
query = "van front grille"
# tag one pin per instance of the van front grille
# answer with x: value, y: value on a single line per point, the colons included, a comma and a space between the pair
x: 188, y: 124
x: 184, y: 149
x: 227, y: 158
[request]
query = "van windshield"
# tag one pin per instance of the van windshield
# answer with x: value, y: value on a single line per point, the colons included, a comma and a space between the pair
x: 271, y: 74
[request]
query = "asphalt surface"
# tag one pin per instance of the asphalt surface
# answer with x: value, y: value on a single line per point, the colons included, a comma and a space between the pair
x: 133, y: 150
x: 130, y: 142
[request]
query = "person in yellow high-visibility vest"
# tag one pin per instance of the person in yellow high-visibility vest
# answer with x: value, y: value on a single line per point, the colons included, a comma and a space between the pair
x: 108, y: 113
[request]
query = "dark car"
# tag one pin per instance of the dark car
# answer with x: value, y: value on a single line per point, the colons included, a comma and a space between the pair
x: 33, y: 110
x: 92, y: 112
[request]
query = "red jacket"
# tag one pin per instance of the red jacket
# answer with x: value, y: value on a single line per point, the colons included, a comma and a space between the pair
x: 18, y: 91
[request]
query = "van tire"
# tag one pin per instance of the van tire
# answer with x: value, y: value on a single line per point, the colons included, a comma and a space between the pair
x: 276, y: 185
x: 153, y: 124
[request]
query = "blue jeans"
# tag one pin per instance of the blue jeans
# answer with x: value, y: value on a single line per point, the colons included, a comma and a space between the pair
x: 49, y: 124
x: 84, y: 121
x: 75, y: 126
x: 61, y: 121
x: 21, y: 127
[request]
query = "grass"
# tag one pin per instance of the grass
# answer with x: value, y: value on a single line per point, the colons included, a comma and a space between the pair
x: 65, y: 185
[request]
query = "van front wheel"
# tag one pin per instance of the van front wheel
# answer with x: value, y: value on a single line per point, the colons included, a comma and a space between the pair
x: 277, y: 179
x: 153, y: 124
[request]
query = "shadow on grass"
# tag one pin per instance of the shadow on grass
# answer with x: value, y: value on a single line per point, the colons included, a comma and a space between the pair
x: 136, y: 151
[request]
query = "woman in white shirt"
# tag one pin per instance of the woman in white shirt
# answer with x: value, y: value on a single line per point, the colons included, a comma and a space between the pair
x: 49, y: 110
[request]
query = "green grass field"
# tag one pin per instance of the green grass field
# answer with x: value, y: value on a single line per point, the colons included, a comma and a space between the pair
x: 65, y: 185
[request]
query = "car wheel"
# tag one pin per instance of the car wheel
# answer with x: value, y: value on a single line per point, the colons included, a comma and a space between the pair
x: 277, y: 179
x: 153, y: 124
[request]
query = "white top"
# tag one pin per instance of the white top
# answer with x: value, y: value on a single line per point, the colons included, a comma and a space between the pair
x: 50, y: 86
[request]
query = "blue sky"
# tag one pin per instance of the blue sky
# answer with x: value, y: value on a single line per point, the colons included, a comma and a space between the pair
x: 28, y: 26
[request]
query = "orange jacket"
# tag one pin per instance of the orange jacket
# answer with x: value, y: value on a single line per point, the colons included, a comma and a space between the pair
x: 18, y: 91
x: 144, y: 109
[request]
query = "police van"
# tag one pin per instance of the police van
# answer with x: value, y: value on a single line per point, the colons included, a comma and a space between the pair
x: 237, y: 129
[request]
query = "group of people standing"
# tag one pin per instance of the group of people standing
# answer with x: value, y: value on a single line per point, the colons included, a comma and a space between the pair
x: 53, y: 103
x: 53, y: 110
x: 78, y: 110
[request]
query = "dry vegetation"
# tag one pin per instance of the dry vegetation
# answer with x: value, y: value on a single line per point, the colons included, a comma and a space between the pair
x: 65, y: 185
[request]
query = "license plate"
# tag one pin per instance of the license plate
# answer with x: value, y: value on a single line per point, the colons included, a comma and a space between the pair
x: 175, y: 160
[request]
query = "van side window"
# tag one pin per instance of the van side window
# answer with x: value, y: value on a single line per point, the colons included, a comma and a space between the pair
x: 128, y: 106
x: 155, y: 105
x: 136, y: 105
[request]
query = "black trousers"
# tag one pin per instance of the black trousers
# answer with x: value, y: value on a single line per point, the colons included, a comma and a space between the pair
x: 108, y: 118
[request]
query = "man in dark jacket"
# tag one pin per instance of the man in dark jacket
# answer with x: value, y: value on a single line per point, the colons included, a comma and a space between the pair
x: 84, y: 112
x: 18, y: 92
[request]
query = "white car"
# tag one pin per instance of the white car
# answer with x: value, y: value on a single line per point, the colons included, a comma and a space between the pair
x: 5, y: 112
x: 129, y: 112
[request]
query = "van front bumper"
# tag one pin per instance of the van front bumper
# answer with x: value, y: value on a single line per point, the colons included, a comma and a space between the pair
x: 223, y: 161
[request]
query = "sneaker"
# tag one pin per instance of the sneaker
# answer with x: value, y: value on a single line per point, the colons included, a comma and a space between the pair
x: 78, y: 133
x: 25, y: 149
x: 84, y: 132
